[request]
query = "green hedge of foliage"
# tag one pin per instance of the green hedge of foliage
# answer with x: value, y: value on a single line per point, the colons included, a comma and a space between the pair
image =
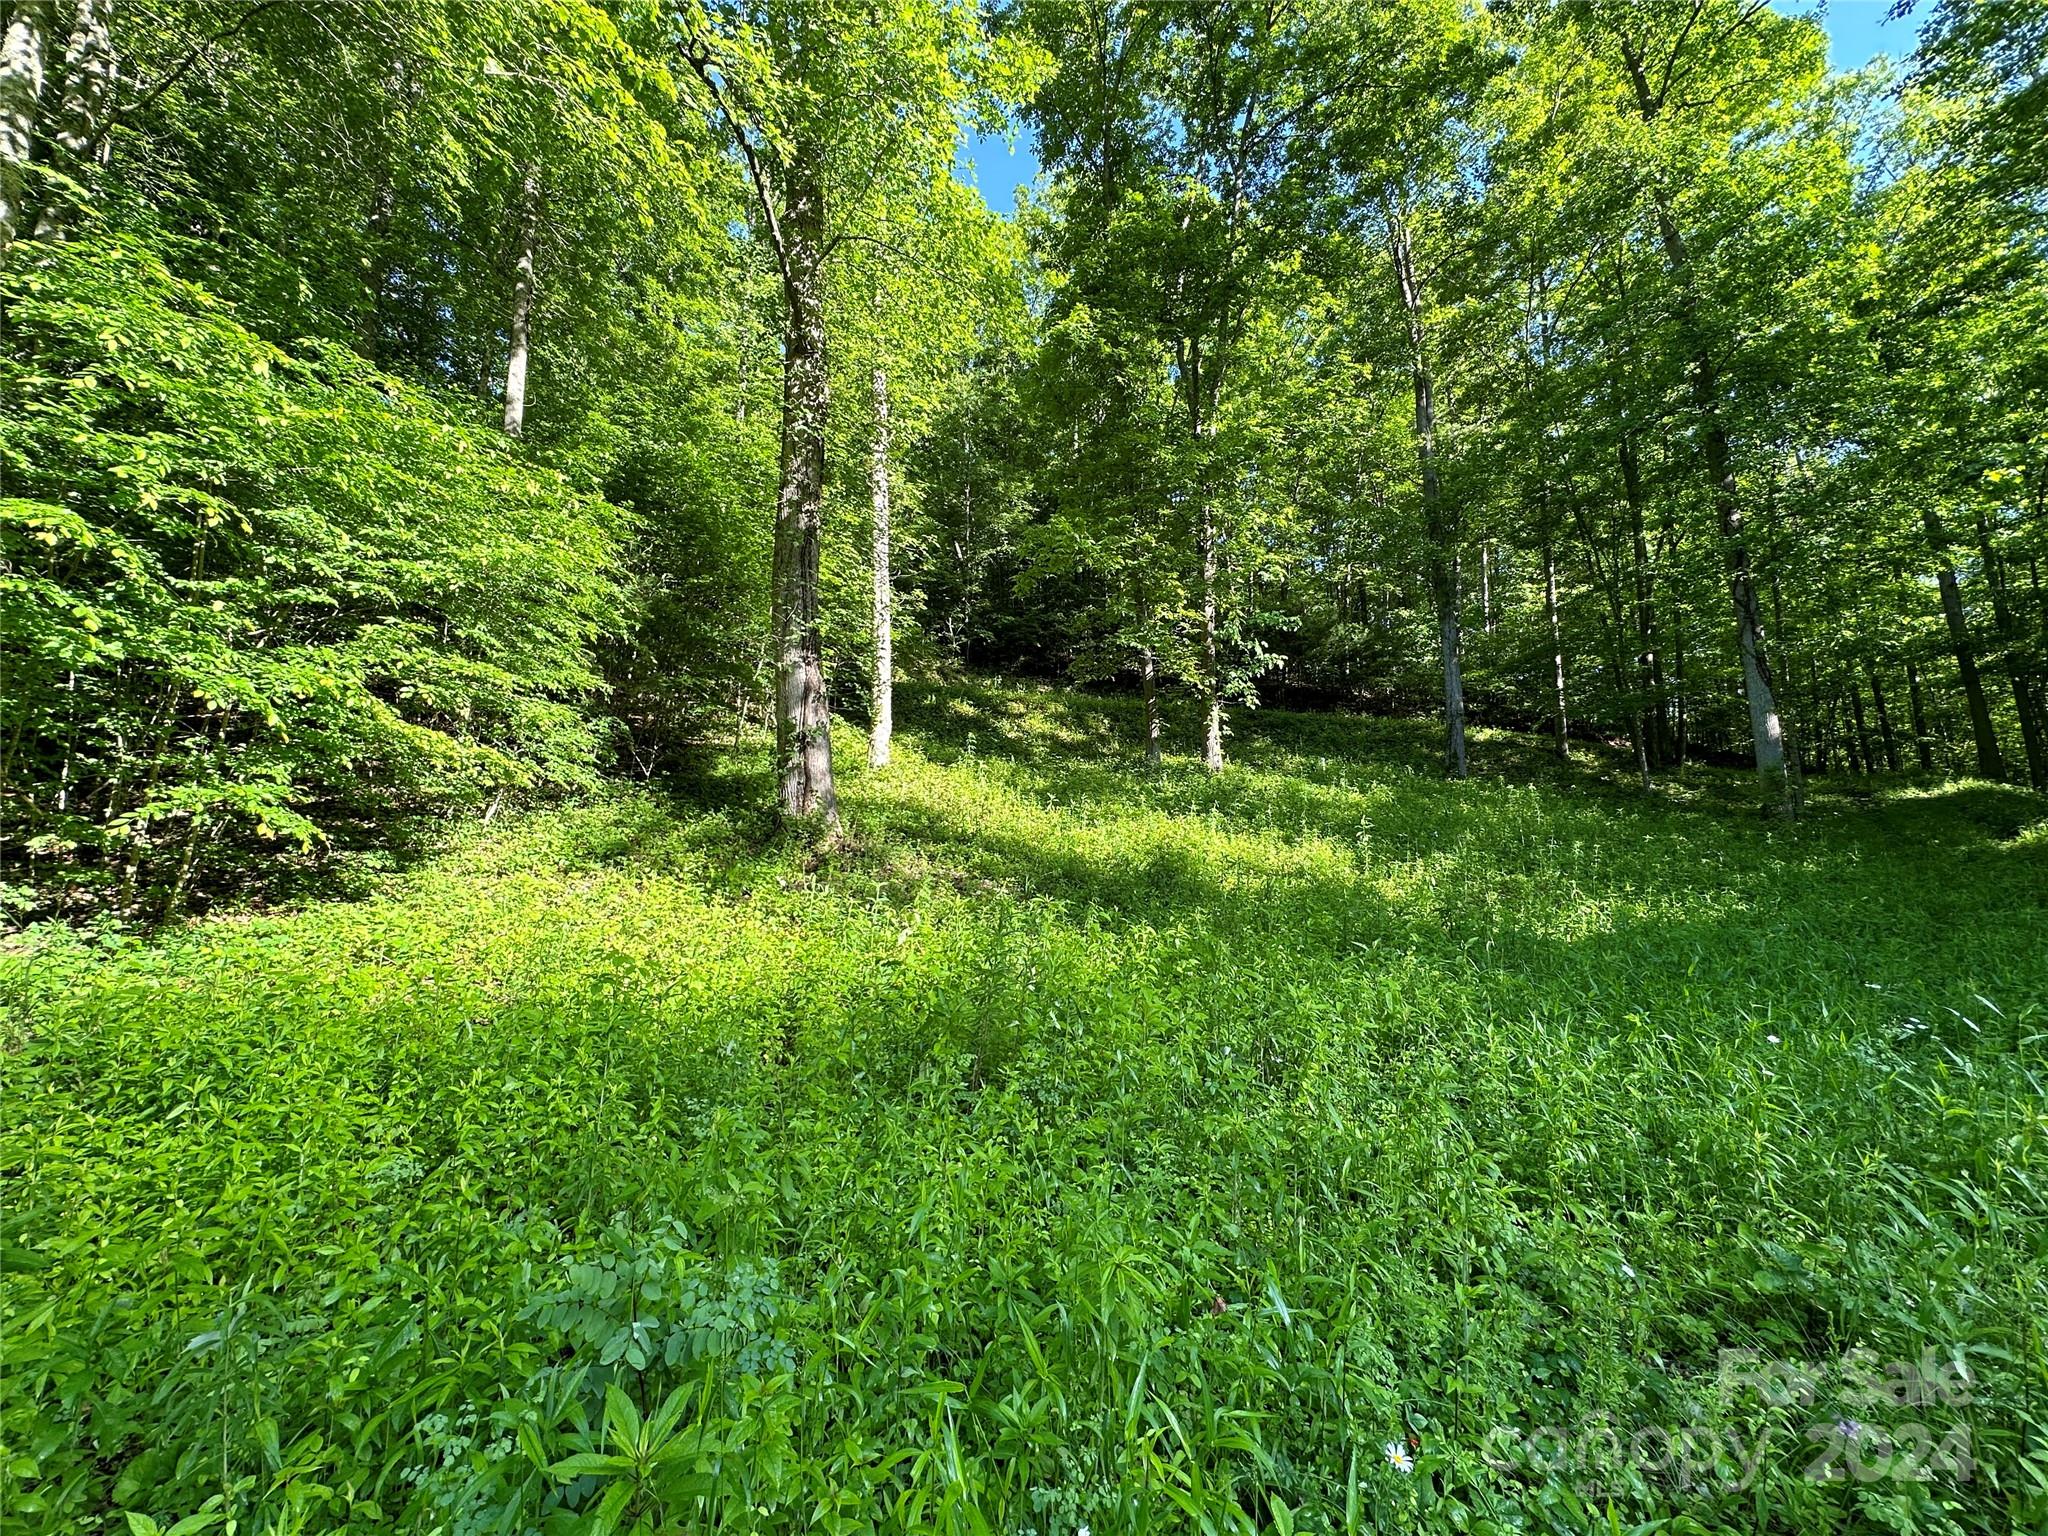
x: 253, y: 595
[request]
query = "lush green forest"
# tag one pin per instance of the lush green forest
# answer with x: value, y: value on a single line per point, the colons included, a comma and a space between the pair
x: 1455, y: 937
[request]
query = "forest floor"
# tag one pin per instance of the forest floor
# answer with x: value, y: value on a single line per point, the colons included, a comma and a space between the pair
x: 1318, y: 1146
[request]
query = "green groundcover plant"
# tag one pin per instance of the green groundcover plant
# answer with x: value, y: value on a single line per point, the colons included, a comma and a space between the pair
x: 1318, y: 1146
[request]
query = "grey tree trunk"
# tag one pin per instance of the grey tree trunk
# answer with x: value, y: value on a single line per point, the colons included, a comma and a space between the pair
x: 521, y: 328
x: 1560, y: 726
x: 803, y: 719
x: 23, y: 51
x: 1766, y: 727
x: 1990, y: 761
x: 2012, y: 655
x: 1866, y: 759
x: 1443, y: 561
x: 79, y: 144
x: 1212, y: 730
x: 884, y: 703
x: 1649, y: 681
x: 1923, y: 742
x: 1884, y: 720
x: 1148, y: 676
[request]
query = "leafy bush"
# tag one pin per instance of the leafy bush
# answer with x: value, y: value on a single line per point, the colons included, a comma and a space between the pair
x: 250, y: 596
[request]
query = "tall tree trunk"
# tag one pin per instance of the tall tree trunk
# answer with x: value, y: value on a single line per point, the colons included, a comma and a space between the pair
x: 80, y: 144
x: 1650, y: 710
x: 1923, y: 742
x: 1196, y: 382
x: 23, y: 51
x: 521, y: 328
x: 1212, y: 682
x: 1866, y: 759
x: 2011, y: 656
x: 1990, y: 762
x: 1148, y: 677
x: 1560, y: 728
x: 1884, y: 719
x: 1678, y: 722
x: 1765, y: 725
x: 803, y: 719
x: 1443, y: 563
x: 883, y: 711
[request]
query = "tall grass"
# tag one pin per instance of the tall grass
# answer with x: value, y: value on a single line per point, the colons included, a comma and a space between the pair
x: 1074, y: 1146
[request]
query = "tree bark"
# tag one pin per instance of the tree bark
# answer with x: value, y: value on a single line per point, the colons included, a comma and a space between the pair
x: 1148, y: 677
x: 1650, y: 706
x: 1443, y: 563
x: 1990, y: 762
x: 803, y: 719
x: 883, y: 711
x: 2011, y: 657
x: 1884, y: 719
x: 1866, y: 760
x: 1560, y: 727
x: 23, y: 51
x: 1766, y: 727
x: 80, y: 144
x: 521, y: 328
x: 1923, y: 742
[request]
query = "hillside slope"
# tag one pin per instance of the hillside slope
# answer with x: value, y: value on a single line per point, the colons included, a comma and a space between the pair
x: 1074, y: 1147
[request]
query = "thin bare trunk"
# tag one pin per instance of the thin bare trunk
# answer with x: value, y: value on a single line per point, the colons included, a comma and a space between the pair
x: 1560, y: 727
x: 1990, y: 761
x: 23, y: 51
x: 1766, y: 727
x: 883, y: 710
x: 1212, y: 730
x: 1866, y: 759
x: 1443, y: 561
x: 1923, y: 741
x: 2012, y: 656
x: 1884, y: 719
x: 1148, y: 676
x: 521, y: 329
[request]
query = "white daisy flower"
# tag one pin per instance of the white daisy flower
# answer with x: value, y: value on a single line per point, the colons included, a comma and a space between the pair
x: 1398, y: 1457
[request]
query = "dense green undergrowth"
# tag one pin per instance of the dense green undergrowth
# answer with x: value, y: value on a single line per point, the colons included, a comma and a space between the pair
x: 1074, y: 1146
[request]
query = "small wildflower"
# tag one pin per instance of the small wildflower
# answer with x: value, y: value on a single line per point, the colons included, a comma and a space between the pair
x: 1772, y: 1038
x: 1848, y: 1429
x: 1398, y: 1457
x: 1628, y: 1270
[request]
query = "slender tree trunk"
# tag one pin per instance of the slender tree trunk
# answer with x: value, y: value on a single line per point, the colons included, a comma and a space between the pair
x: 1148, y: 676
x: 1865, y: 757
x: 1884, y: 720
x: 1560, y: 729
x: 23, y: 51
x: 803, y: 719
x: 1765, y: 726
x: 1443, y: 562
x: 80, y: 144
x: 2011, y: 657
x: 884, y: 704
x: 1923, y: 741
x: 1679, y: 741
x: 1212, y: 730
x: 1650, y: 711
x: 521, y: 328
x: 1990, y: 762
